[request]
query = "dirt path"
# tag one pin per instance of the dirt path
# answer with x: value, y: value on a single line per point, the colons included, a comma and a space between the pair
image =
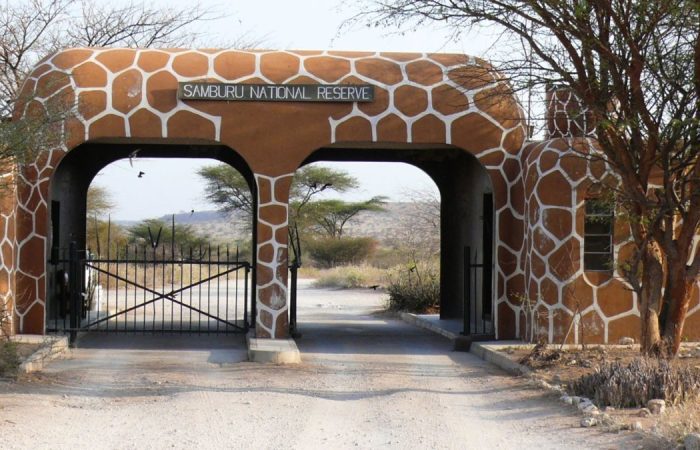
x: 367, y: 381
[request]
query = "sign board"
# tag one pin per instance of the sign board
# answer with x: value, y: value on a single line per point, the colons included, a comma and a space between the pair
x: 233, y: 92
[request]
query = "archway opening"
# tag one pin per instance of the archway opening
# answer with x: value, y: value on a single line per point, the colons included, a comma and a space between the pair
x: 156, y: 272
x: 464, y: 232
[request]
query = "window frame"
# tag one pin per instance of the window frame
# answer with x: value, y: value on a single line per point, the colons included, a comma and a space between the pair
x: 608, y: 213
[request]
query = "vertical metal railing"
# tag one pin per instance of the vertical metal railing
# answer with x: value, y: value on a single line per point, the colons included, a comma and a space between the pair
x: 476, y: 308
x: 74, y: 280
x: 293, y: 274
x: 466, y: 307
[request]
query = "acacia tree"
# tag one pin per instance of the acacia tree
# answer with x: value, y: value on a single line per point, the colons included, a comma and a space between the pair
x: 330, y: 216
x: 159, y: 233
x: 99, y: 201
x: 226, y: 188
x: 635, y: 68
x: 32, y: 29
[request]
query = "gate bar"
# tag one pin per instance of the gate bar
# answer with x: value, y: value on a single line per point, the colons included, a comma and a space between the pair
x: 466, y: 308
x: 74, y: 292
x: 293, y: 269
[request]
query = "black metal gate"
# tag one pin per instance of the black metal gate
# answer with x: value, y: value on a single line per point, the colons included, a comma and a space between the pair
x: 478, y: 294
x: 198, y: 290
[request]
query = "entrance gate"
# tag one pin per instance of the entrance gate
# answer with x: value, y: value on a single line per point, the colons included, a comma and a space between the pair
x: 200, y: 290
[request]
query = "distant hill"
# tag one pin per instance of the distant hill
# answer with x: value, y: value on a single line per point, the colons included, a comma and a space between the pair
x: 222, y: 227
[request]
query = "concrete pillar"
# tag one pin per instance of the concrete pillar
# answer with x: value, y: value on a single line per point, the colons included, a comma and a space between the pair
x: 271, y: 249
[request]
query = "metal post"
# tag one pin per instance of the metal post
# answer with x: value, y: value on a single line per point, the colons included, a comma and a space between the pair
x: 293, y: 269
x: 245, y: 301
x: 467, y: 291
x: 74, y: 286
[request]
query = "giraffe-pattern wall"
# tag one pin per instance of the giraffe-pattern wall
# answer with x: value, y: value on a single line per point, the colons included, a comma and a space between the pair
x: 566, y: 116
x: 569, y: 303
x: 272, y: 254
x: 127, y: 93
x: 7, y: 256
x: 420, y: 99
x: 428, y: 100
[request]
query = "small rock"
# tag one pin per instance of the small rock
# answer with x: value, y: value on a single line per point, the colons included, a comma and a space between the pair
x: 558, y: 388
x: 656, y: 406
x: 588, y: 422
x: 588, y: 407
x: 644, y: 412
x: 609, y: 409
x: 637, y: 426
x: 543, y: 384
x: 626, y: 341
x: 692, y: 441
x: 556, y: 379
x: 566, y: 399
x: 575, y: 400
x: 583, y: 401
x: 606, y: 420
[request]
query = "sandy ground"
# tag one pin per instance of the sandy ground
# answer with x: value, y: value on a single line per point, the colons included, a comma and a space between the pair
x: 366, y: 381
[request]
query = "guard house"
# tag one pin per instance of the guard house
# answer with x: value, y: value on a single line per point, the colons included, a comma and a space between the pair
x: 519, y: 206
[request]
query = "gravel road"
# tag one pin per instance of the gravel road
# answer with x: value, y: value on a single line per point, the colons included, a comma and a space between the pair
x: 367, y: 381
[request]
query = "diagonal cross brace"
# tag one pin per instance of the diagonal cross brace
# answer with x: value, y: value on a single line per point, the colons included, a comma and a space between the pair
x: 159, y: 295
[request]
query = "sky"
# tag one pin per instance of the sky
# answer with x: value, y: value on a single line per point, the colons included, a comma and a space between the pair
x: 171, y: 185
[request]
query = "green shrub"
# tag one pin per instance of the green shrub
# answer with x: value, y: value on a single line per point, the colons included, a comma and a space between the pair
x: 633, y: 385
x: 350, y: 277
x: 331, y: 252
x: 9, y: 358
x: 414, y: 289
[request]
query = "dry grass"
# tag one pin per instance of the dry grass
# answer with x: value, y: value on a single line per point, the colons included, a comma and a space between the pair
x: 151, y: 275
x: 680, y: 420
x: 310, y: 272
x: 349, y: 277
x: 634, y: 384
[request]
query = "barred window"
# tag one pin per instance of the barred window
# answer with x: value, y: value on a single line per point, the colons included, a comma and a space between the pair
x: 598, y: 236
